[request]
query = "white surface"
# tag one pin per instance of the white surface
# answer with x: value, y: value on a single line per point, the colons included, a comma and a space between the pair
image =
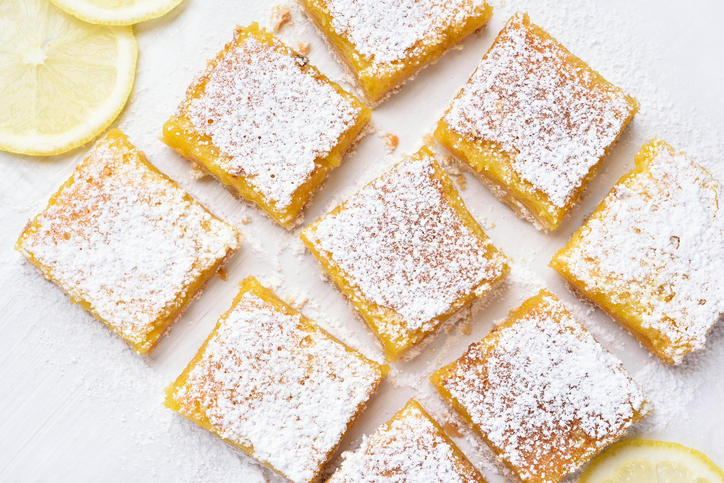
x: 76, y: 402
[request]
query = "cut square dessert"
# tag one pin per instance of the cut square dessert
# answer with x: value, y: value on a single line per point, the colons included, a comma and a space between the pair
x: 410, y: 448
x: 534, y: 122
x: 383, y: 44
x: 266, y: 123
x: 651, y: 253
x: 407, y: 253
x: 126, y: 243
x: 276, y: 386
x: 542, y: 392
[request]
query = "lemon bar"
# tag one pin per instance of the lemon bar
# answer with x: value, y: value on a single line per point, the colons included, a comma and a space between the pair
x: 534, y: 122
x: 273, y: 384
x: 542, y: 392
x: 266, y: 123
x: 651, y: 253
x: 126, y: 243
x: 410, y: 448
x: 384, y: 44
x: 406, y: 253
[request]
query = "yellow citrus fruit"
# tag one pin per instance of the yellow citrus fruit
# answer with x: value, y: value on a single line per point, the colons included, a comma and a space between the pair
x: 116, y: 12
x: 646, y: 461
x: 62, y: 81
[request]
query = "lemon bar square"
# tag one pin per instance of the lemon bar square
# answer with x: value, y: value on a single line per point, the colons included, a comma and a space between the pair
x: 542, y: 392
x: 651, y: 253
x: 534, y: 123
x: 275, y: 385
x: 406, y: 253
x: 384, y: 44
x: 410, y: 448
x: 266, y: 123
x: 126, y: 243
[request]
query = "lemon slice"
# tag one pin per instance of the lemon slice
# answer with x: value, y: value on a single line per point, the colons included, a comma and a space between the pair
x: 62, y: 81
x: 116, y: 12
x: 645, y: 461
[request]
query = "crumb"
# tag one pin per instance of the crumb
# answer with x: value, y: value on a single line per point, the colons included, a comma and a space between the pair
x: 280, y: 16
x: 449, y: 165
x: 458, y: 46
x: 391, y: 142
x: 429, y: 140
x: 467, y: 329
x: 245, y: 219
x: 197, y: 172
x: 222, y: 274
x: 303, y: 48
x: 452, y: 429
x: 301, y: 303
x: 462, y: 182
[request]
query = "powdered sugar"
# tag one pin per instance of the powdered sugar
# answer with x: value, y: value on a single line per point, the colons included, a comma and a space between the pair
x: 532, y: 385
x: 403, y: 245
x: 126, y: 240
x: 270, y: 381
x: 390, y: 30
x: 550, y: 115
x: 270, y: 118
x: 658, y: 241
x: 409, y: 448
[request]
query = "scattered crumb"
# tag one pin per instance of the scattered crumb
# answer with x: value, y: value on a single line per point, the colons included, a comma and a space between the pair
x: 301, y: 303
x: 391, y: 142
x: 297, y: 301
x: 462, y: 182
x: 429, y: 140
x: 467, y: 329
x: 450, y: 166
x: 222, y: 274
x: 280, y: 16
x: 245, y: 219
x: 303, y: 48
x: 452, y: 429
x: 458, y: 46
x: 197, y: 172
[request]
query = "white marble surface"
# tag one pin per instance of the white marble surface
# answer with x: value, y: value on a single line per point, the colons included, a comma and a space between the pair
x: 77, y: 404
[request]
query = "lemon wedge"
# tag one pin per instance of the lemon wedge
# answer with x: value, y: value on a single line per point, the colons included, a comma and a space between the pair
x: 116, y: 12
x: 645, y: 461
x: 62, y: 80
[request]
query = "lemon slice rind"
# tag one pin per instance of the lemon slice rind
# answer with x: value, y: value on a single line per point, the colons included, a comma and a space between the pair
x: 100, y: 117
x: 139, y: 12
x: 604, y: 467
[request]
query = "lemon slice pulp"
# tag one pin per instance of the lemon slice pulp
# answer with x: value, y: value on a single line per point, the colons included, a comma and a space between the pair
x: 62, y: 80
x: 116, y: 12
x: 646, y: 461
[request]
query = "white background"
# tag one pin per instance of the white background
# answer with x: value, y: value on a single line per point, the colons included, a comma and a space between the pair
x: 77, y: 404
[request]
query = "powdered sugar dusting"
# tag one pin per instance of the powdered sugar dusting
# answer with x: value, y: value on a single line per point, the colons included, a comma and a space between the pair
x: 659, y: 241
x: 548, y: 114
x: 533, y: 386
x: 408, y: 449
x: 270, y: 381
x: 126, y: 240
x: 270, y: 118
x: 390, y: 30
x: 403, y: 245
